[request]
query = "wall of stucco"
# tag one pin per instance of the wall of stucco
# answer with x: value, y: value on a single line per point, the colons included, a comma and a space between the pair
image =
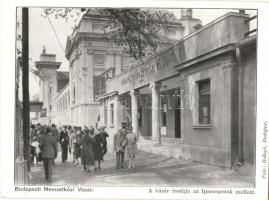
x: 227, y: 29
x: 249, y: 112
x: 210, y: 144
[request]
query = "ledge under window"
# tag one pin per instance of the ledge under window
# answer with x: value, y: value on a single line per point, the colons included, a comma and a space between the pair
x: 202, y: 126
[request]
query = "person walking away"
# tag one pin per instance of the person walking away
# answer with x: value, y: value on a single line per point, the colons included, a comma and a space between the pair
x: 77, y: 146
x: 119, y: 144
x: 49, y: 150
x: 131, y: 147
x: 87, y: 154
x: 98, y: 149
x: 128, y: 123
x: 32, y: 133
x: 70, y: 132
x: 55, y: 131
x: 33, y: 149
x: 39, y: 131
x: 123, y: 142
x: 64, y: 141
x: 104, y: 135
x: 72, y: 142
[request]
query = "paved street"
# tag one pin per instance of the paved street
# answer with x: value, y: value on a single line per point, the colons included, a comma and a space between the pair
x: 151, y: 170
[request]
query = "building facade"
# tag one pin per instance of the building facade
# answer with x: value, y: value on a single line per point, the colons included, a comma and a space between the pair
x: 92, y: 53
x: 51, y: 83
x: 195, y: 99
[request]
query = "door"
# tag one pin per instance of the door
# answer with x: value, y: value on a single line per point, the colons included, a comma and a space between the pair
x: 177, y: 121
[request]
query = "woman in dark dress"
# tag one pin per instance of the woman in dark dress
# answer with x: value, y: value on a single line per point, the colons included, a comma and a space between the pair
x: 98, y: 147
x: 77, y: 146
x: 87, y: 157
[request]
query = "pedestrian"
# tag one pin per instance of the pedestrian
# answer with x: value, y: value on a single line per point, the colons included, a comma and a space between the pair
x: 104, y: 135
x: 128, y: 123
x: 72, y: 142
x: 39, y: 131
x: 33, y: 148
x: 131, y: 146
x: 87, y: 154
x: 48, y: 147
x: 98, y: 149
x: 124, y: 132
x: 44, y: 129
x: 91, y: 127
x: 36, y: 150
x: 119, y: 144
x: 77, y: 146
x: 70, y: 132
x: 32, y: 133
x: 64, y: 141
x: 55, y: 131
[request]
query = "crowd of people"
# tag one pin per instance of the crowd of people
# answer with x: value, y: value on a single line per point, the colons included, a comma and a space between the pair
x: 86, y: 144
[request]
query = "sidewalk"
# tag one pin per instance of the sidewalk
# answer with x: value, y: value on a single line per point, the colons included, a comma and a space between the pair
x: 150, y: 170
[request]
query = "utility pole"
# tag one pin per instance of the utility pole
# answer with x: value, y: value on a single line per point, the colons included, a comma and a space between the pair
x: 25, y: 85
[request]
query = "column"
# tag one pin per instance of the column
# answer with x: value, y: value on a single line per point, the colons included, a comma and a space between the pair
x: 88, y: 60
x: 116, y: 113
x: 134, y: 111
x: 155, y: 88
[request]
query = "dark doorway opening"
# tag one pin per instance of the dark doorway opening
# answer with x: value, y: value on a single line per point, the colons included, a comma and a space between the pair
x: 177, y: 115
x: 177, y: 123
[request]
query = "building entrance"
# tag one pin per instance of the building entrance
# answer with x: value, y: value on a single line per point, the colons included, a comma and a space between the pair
x: 177, y: 124
x: 170, y: 113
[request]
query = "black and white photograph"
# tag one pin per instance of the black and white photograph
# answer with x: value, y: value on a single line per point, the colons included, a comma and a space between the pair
x: 153, y: 100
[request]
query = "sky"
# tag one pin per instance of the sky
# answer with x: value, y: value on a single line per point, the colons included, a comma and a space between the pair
x: 41, y: 34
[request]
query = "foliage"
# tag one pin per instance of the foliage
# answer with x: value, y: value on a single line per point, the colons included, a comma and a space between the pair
x: 134, y: 27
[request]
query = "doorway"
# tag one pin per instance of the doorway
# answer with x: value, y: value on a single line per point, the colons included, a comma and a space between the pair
x: 177, y: 99
x: 177, y: 123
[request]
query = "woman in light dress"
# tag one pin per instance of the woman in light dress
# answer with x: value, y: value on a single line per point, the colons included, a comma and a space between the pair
x: 131, y: 147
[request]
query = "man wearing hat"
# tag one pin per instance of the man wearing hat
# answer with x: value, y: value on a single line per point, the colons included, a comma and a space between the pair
x: 48, y: 145
x: 119, y: 144
x: 104, y: 135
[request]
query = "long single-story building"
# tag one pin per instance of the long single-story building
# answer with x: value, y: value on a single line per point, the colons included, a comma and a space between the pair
x: 195, y: 99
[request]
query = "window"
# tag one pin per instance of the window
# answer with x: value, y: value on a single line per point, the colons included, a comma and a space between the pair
x: 50, y: 107
x: 204, y: 102
x: 112, y: 114
x: 105, y: 115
